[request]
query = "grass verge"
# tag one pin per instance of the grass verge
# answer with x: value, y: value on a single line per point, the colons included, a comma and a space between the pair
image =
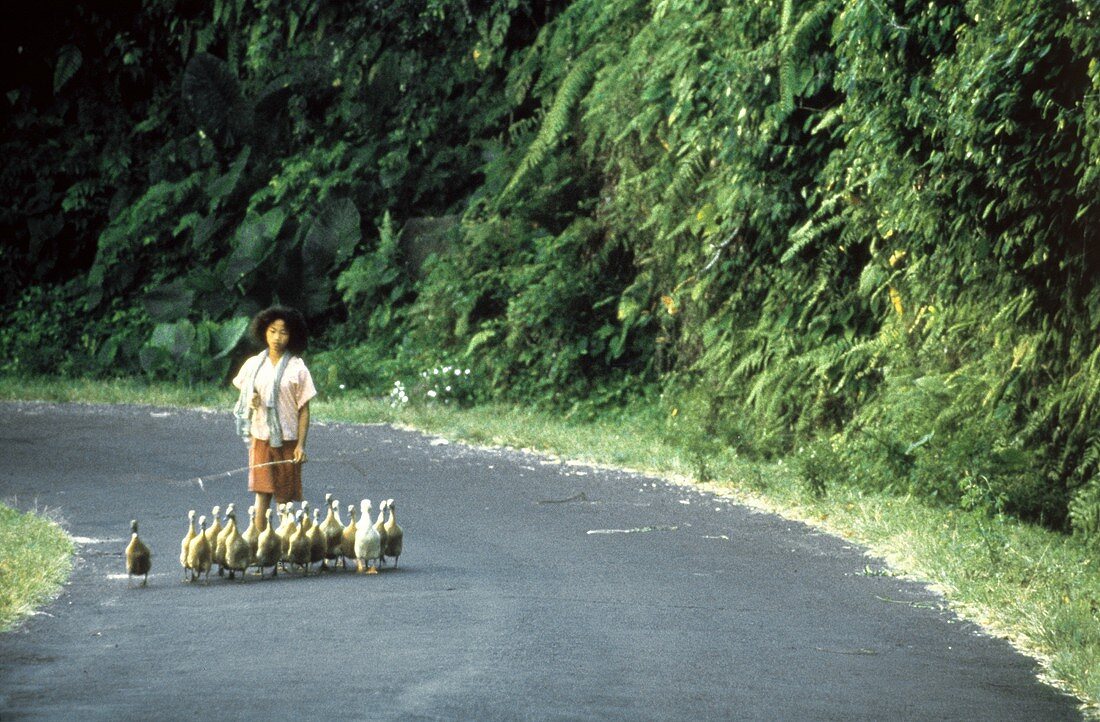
x: 1039, y: 589
x: 35, y: 560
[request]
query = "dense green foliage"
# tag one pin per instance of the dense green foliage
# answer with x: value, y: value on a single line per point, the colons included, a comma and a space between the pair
x: 863, y: 232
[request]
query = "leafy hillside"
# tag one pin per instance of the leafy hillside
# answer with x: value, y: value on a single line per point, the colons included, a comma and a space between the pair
x: 860, y: 233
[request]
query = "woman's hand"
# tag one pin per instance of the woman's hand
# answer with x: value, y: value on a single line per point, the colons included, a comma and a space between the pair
x: 300, y: 455
x: 256, y: 401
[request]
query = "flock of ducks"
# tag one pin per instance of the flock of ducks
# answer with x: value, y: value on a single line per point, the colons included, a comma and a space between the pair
x: 300, y: 541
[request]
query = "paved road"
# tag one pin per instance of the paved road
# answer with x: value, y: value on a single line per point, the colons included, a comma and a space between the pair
x: 528, y: 590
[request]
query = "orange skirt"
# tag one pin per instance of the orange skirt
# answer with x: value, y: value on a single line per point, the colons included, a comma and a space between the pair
x: 284, y: 481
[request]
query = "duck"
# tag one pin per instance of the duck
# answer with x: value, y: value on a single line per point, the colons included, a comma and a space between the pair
x: 299, y: 547
x: 380, y: 527
x: 237, y: 554
x: 347, y: 540
x: 252, y: 535
x: 283, y: 532
x: 215, y: 526
x: 333, y: 532
x: 187, y: 542
x: 219, y: 540
x: 214, y: 529
x: 368, y: 543
x: 281, y: 517
x: 305, y: 518
x: 269, y: 548
x: 199, y: 553
x: 395, y: 535
x: 318, y: 545
x: 337, y: 510
x: 138, y: 558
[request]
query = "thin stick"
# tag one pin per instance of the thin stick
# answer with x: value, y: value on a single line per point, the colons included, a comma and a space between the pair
x: 231, y: 472
x: 340, y: 458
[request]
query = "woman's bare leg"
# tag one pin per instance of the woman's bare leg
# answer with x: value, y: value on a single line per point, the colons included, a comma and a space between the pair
x: 263, y: 503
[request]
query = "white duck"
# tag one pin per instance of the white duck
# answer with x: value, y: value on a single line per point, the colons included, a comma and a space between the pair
x: 368, y: 543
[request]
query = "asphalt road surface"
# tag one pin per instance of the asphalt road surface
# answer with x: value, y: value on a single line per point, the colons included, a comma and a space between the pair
x: 528, y: 589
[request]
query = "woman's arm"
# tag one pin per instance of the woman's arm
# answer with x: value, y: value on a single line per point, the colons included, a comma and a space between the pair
x: 303, y: 432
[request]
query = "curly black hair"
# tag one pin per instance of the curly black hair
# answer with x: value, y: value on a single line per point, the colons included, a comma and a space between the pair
x: 295, y: 323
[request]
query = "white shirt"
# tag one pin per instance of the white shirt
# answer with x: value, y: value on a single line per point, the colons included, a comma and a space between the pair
x: 295, y: 391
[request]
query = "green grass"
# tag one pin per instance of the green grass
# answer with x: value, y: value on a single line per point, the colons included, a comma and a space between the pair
x: 35, y: 560
x: 1037, y: 588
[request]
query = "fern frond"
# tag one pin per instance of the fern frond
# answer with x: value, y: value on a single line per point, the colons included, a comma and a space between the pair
x: 795, y: 46
x: 556, y: 120
x: 690, y: 170
x: 807, y: 233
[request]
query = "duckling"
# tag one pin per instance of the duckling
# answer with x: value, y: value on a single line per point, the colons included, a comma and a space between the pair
x: 298, y: 551
x: 395, y: 535
x: 199, y: 552
x: 337, y: 510
x: 380, y: 527
x: 283, y: 532
x: 281, y: 517
x: 318, y: 545
x: 219, y: 540
x: 252, y: 535
x: 305, y: 522
x: 368, y: 544
x: 138, y: 558
x: 347, y: 540
x: 215, y: 527
x: 186, y: 542
x: 237, y: 555
x: 214, y: 530
x: 268, y: 548
x: 333, y: 531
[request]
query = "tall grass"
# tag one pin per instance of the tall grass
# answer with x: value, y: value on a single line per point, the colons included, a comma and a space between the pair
x: 35, y: 560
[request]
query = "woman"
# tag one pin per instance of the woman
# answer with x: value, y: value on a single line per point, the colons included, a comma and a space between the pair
x: 276, y: 424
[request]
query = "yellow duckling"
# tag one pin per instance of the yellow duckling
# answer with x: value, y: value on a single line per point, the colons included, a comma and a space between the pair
x: 317, y: 543
x: 336, y: 509
x: 187, y: 542
x: 215, y: 527
x: 395, y: 535
x: 269, y: 549
x: 298, y: 549
x: 286, y: 521
x: 138, y: 558
x: 237, y: 554
x: 199, y: 553
x: 347, y: 541
x: 252, y: 535
x: 213, y: 530
x: 380, y: 527
x: 333, y: 531
x: 219, y: 543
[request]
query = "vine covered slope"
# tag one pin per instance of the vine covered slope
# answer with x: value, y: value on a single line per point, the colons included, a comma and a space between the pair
x: 863, y: 233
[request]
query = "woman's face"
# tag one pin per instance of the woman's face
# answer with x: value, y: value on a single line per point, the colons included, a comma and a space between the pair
x: 278, y: 336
